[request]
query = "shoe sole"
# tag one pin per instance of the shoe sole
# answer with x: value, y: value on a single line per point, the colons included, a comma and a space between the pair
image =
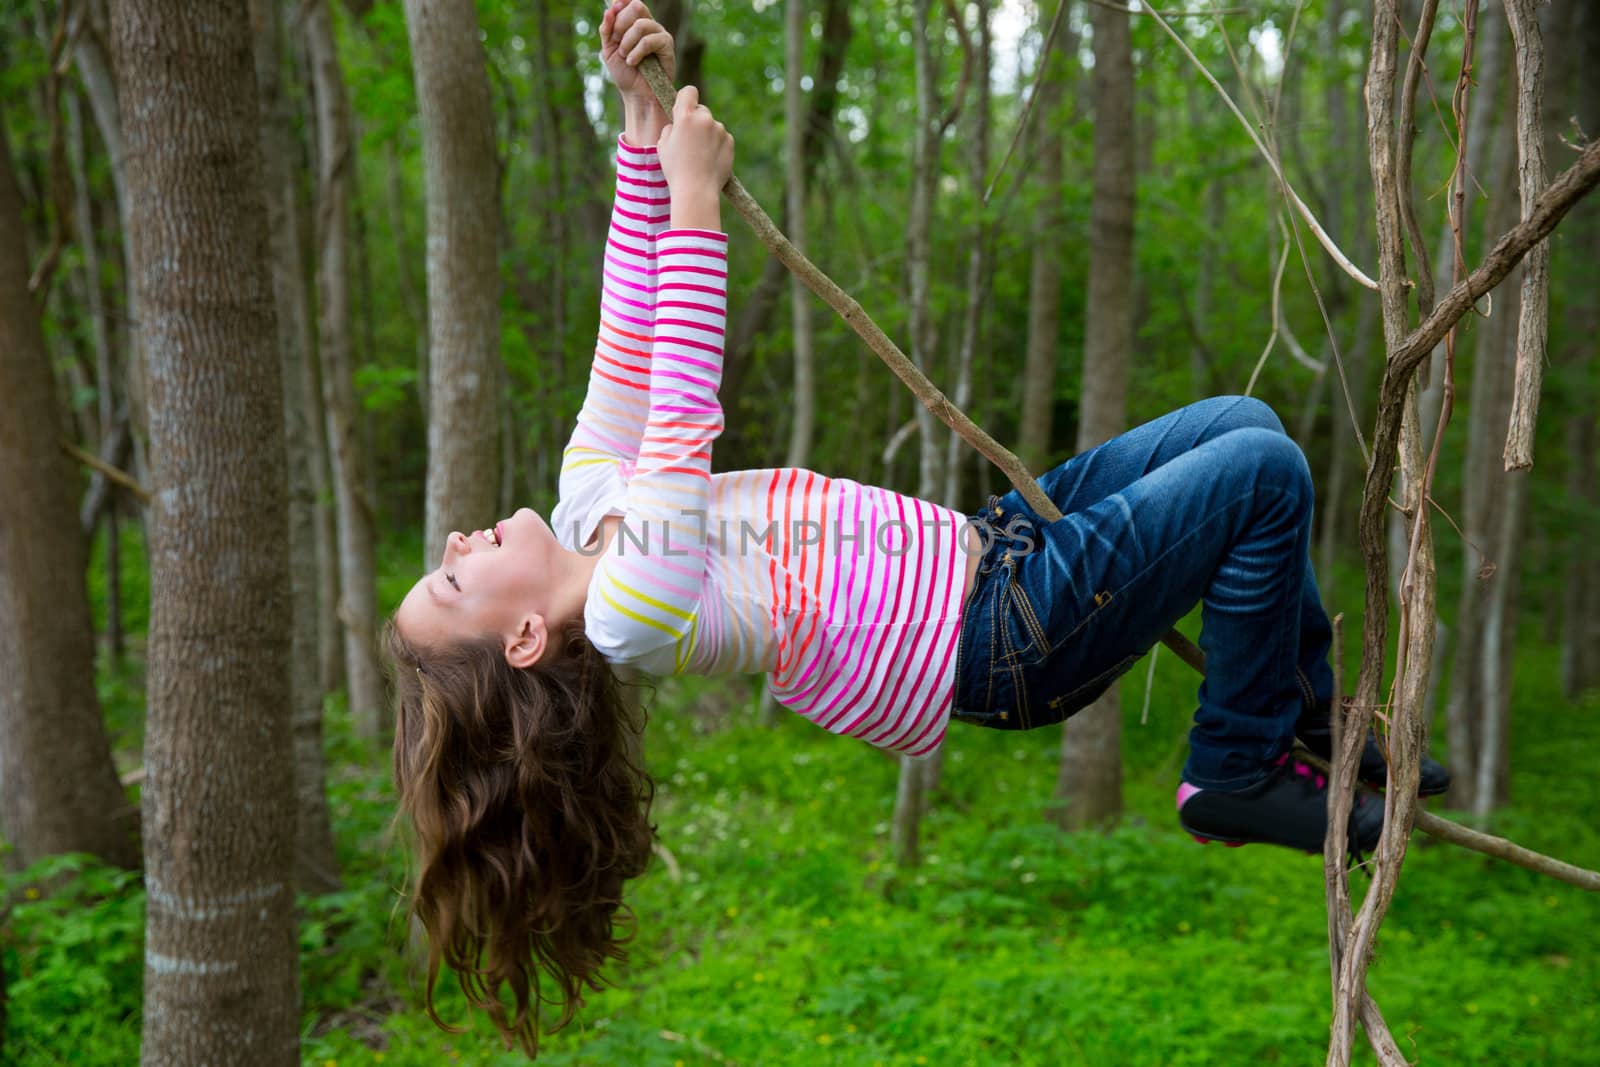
x: 1206, y: 839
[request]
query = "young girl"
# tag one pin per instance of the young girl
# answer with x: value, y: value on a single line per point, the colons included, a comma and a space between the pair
x: 874, y: 614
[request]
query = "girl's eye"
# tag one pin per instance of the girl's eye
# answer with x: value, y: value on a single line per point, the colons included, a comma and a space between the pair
x: 452, y: 580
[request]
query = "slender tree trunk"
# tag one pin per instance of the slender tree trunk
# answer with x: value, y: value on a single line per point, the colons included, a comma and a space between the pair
x: 330, y: 629
x: 316, y: 864
x: 978, y: 254
x: 585, y: 161
x: 805, y: 389
x: 1579, y: 256
x: 92, y: 59
x: 911, y: 793
x: 221, y: 972
x: 1483, y: 498
x: 756, y: 308
x: 58, y: 786
x: 927, y: 153
x: 1089, y: 787
x: 1044, y: 271
x: 977, y: 283
x: 102, y: 335
x: 1527, y: 355
x: 411, y: 297
x: 358, y: 610
x: 462, y: 173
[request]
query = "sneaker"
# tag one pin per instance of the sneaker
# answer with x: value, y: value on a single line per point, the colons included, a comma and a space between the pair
x: 1315, y: 731
x: 1289, y: 807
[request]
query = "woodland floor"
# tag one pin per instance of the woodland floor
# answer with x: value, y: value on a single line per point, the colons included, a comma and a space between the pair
x: 790, y: 940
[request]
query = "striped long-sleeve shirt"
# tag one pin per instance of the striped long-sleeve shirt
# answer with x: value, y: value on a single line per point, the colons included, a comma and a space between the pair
x: 846, y: 595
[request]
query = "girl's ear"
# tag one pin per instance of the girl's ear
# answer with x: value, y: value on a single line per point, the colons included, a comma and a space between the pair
x: 527, y: 646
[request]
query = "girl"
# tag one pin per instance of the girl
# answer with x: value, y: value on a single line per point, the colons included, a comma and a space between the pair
x: 874, y: 615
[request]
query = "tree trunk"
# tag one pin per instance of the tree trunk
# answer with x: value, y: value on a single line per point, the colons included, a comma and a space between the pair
x: 58, y: 787
x: 805, y: 389
x: 221, y: 971
x: 1579, y: 251
x: 358, y: 609
x: 101, y: 334
x: 977, y: 249
x: 1089, y: 787
x: 583, y: 163
x: 316, y: 864
x: 462, y: 176
x: 911, y: 794
x: 93, y: 62
x: 1044, y: 271
x: 1483, y: 498
x: 756, y: 311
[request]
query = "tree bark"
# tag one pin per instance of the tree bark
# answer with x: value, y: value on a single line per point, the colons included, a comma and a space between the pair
x: 316, y: 863
x: 1044, y: 269
x: 358, y: 609
x: 910, y: 796
x: 58, y: 787
x: 102, y: 335
x: 462, y: 177
x: 756, y: 311
x: 92, y: 59
x: 1089, y: 785
x: 1580, y: 642
x: 805, y: 388
x: 978, y: 248
x: 1470, y: 705
x: 221, y: 970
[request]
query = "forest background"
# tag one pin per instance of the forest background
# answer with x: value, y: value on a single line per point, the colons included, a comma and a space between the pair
x: 772, y: 931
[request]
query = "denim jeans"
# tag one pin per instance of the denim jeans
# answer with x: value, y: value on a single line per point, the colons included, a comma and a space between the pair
x: 1211, y: 503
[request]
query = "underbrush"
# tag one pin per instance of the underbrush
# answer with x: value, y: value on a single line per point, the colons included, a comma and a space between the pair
x: 785, y: 936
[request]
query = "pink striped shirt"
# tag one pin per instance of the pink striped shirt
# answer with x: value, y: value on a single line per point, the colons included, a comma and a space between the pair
x: 847, y: 596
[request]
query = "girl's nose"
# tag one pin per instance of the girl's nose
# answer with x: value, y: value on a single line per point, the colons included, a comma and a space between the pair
x: 456, y: 544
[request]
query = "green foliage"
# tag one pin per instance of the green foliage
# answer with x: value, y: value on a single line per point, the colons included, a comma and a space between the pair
x: 72, y: 946
x: 792, y: 939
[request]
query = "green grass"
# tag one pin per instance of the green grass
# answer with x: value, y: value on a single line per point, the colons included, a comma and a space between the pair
x: 791, y: 938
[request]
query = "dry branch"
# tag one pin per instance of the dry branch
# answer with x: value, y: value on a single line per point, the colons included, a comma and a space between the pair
x: 115, y: 474
x: 1447, y: 830
x: 1405, y: 353
x: 1323, y: 239
x: 1405, y: 731
x: 1552, y: 205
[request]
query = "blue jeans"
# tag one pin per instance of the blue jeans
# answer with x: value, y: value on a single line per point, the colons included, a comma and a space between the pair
x: 1211, y: 503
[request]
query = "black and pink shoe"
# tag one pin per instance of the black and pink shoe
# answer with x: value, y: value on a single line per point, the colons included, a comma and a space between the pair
x: 1289, y: 807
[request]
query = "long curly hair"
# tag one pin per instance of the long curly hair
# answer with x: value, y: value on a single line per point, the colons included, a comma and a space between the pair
x: 530, y: 807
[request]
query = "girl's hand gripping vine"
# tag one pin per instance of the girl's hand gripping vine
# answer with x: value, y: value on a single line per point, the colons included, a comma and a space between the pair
x: 697, y: 158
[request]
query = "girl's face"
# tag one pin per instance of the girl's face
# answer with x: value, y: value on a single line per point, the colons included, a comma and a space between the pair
x: 496, y: 581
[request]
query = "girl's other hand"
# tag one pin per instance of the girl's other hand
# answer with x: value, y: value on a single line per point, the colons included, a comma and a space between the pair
x: 627, y: 34
x: 696, y: 154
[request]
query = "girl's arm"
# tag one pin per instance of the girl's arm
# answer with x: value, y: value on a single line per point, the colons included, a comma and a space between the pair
x: 599, y: 457
x: 646, y: 591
